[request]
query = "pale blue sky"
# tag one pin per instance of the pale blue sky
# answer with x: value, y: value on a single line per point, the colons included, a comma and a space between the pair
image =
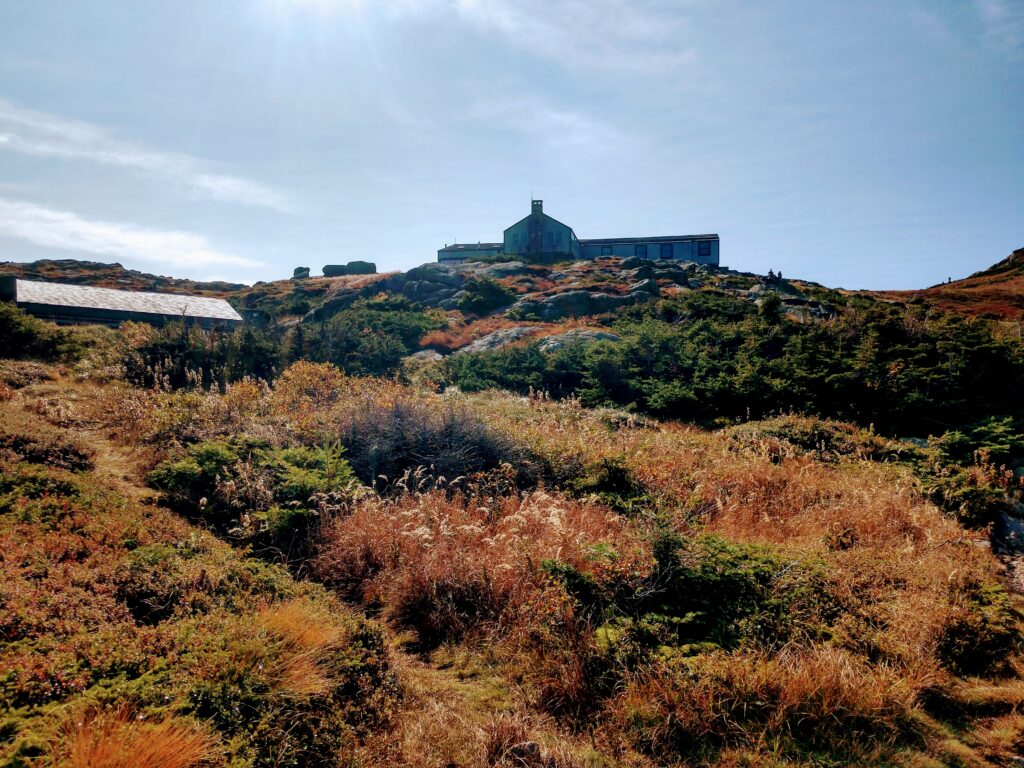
x: 863, y: 144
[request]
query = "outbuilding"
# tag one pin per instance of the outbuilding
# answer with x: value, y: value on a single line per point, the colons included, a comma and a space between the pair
x: 82, y: 304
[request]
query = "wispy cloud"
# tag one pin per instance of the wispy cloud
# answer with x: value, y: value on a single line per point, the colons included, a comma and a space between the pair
x: 46, y: 135
x: 648, y: 36
x: 69, y: 231
x: 570, y: 133
x: 1003, y: 25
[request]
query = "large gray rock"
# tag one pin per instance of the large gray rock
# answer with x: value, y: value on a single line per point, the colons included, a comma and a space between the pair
x: 352, y: 268
x: 499, y: 339
x: 442, y: 274
x: 578, y: 336
x: 426, y: 356
x: 645, y: 286
x: 300, y: 273
x: 1008, y: 531
x: 574, y: 304
x: 502, y: 269
x: 633, y: 262
x: 428, y: 292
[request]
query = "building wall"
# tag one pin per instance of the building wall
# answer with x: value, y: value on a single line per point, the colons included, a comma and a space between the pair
x: 682, y: 250
x: 467, y: 253
x: 539, y: 234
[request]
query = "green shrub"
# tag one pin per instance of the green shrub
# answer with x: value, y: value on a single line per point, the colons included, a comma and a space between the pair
x: 484, y: 296
x: 371, y: 337
x: 612, y: 483
x: 703, y: 356
x: 976, y: 495
x: 984, y: 636
x: 24, y: 336
x: 54, y: 450
x: 729, y: 594
x: 184, y: 355
x: 224, y: 481
x: 385, y: 443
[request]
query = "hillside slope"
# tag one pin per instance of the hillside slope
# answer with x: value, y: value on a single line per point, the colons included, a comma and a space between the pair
x: 996, y: 292
x: 234, y: 546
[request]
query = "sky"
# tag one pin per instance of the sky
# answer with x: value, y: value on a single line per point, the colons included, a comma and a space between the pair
x: 869, y: 144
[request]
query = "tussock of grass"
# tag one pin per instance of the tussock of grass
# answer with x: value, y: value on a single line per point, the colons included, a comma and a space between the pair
x: 123, y: 739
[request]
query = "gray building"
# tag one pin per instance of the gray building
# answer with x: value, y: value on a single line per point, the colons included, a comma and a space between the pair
x: 542, y: 237
x: 69, y: 304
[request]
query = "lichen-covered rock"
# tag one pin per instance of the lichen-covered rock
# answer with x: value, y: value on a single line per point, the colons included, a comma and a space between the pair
x: 428, y: 292
x: 499, y: 339
x: 426, y: 356
x: 352, y: 268
x: 573, y: 304
x: 300, y: 273
x: 645, y: 286
x: 441, y: 274
x: 577, y: 336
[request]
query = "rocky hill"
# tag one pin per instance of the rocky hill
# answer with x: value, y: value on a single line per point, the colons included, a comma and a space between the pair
x: 996, y: 292
x: 111, y: 276
x: 605, y: 513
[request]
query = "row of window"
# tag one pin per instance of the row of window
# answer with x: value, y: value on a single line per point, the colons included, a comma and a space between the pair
x: 703, y: 249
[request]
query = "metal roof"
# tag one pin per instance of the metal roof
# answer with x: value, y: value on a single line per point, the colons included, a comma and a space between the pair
x: 472, y: 246
x: 165, y: 304
x: 666, y: 239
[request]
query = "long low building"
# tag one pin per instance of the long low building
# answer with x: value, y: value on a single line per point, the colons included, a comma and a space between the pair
x: 542, y: 237
x: 74, y: 304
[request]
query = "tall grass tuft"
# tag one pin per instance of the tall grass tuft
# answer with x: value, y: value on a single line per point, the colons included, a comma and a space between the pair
x: 120, y: 738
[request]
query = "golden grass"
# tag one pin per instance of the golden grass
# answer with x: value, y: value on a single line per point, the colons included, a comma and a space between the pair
x: 300, y: 637
x: 122, y: 739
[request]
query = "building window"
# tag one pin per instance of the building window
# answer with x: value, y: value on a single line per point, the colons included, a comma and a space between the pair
x: 606, y: 250
x: 704, y: 248
x: 640, y: 251
x: 666, y: 250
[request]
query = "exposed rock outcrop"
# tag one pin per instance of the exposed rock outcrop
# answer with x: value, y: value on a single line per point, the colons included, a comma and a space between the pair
x: 578, y: 336
x: 499, y: 339
x: 573, y: 304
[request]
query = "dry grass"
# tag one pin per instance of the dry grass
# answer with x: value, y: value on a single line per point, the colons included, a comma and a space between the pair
x: 300, y: 636
x: 822, y: 697
x: 123, y: 739
x: 449, y: 565
x: 467, y: 568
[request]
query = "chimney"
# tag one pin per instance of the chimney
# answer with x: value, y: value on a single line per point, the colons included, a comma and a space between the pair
x: 538, y: 207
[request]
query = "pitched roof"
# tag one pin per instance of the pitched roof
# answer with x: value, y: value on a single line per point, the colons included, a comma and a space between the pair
x: 165, y: 304
x: 665, y: 239
x: 472, y: 246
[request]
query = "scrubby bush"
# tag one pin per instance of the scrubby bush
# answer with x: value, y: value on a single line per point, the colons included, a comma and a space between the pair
x: 181, y: 355
x: 24, y: 336
x: 371, y: 337
x: 703, y: 356
x: 388, y: 441
x: 825, y: 439
x: 256, y: 489
x: 484, y: 296
x: 819, y: 699
x: 975, y: 494
x: 49, y: 448
x: 983, y: 633
x: 448, y: 566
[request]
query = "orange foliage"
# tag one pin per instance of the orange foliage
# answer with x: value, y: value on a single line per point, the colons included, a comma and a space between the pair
x: 120, y: 739
x: 447, y: 566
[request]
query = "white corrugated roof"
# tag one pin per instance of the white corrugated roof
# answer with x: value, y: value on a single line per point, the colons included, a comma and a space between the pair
x: 59, y: 294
